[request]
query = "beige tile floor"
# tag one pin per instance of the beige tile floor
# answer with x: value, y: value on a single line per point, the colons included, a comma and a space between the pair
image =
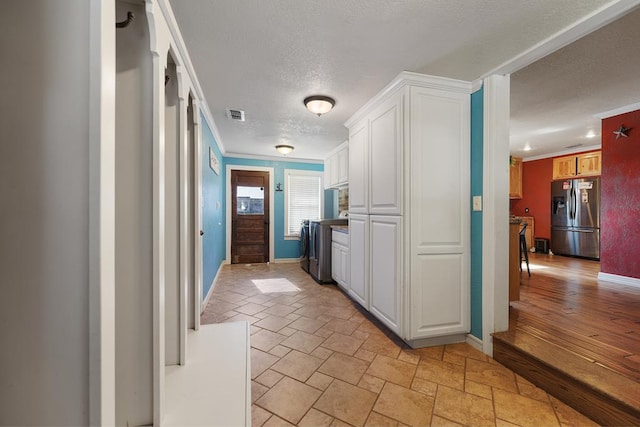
x: 316, y: 360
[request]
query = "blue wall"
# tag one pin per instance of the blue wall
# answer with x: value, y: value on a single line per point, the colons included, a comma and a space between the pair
x: 213, y: 211
x: 283, y: 248
x: 477, y: 115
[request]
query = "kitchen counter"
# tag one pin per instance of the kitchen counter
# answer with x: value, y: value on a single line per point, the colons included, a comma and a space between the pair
x: 340, y: 228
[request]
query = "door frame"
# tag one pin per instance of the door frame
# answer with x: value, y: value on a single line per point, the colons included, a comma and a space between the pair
x: 495, y: 228
x: 270, y: 170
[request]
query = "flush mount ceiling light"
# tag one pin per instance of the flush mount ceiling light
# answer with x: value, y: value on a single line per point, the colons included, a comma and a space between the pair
x: 319, y: 104
x: 284, y: 149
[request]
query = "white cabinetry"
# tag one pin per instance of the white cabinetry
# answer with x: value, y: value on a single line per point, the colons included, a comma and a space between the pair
x: 385, y: 158
x: 340, y: 259
x: 386, y: 269
x: 359, y: 168
x: 336, y: 167
x: 409, y: 208
x: 359, y: 258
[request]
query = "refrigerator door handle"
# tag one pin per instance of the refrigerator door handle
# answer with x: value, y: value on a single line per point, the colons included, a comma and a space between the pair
x: 583, y: 231
x: 572, y: 212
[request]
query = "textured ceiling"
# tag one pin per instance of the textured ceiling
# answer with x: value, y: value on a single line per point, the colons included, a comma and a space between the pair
x: 554, y: 100
x: 266, y: 56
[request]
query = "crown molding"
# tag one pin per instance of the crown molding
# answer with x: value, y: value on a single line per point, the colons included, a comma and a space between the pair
x: 617, y: 111
x: 580, y: 149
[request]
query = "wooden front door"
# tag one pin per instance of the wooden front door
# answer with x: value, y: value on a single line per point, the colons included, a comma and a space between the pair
x: 249, y: 217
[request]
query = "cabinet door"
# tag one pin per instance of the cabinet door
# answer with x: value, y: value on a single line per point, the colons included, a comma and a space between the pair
x: 335, y: 173
x: 386, y: 269
x: 343, y: 166
x: 529, y: 233
x: 385, y: 158
x: 344, y: 263
x: 359, y: 258
x: 589, y: 164
x: 515, y: 178
x: 328, y: 166
x: 564, y: 167
x: 359, y: 168
x: 336, y: 268
x: 438, y: 241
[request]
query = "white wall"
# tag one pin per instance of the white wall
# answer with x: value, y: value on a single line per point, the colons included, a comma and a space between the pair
x: 44, y: 212
x: 134, y: 234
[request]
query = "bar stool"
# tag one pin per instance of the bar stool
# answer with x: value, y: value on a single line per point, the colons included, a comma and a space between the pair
x: 523, y: 248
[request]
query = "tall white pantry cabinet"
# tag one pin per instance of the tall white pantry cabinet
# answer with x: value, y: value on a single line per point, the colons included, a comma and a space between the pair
x: 409, y: 208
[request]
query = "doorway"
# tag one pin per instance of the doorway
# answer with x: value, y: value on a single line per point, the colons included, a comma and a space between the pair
x: 250, y: 217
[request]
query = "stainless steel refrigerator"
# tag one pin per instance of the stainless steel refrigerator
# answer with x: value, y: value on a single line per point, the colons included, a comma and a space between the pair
x: 575, y: 217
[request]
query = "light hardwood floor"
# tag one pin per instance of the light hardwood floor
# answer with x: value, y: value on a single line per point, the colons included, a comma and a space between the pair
x: 595, y: 319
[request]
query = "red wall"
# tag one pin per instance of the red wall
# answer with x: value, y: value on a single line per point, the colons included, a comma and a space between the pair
x: 620, y: 206
x: 536, y: 192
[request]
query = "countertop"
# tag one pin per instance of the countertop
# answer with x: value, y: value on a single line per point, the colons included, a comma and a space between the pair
x: 341, y: 228
x: 515, y: 220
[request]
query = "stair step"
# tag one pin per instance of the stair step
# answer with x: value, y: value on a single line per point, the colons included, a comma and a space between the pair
x: 595, y: 390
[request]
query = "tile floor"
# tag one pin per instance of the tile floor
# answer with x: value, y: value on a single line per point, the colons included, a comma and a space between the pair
x: 316, y: 360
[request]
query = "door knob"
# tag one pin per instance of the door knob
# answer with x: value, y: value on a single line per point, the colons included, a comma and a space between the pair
x: 201, y: 233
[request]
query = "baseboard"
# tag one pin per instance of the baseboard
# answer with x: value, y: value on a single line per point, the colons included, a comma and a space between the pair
x: 433, y: 341
x: 205, y: 301
x: 286, y: 260
x: 620, y: 280
x: 474, y: 342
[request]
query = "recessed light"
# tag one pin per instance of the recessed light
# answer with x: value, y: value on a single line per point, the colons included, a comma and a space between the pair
x: 527, y: 147
x: 591, y: 134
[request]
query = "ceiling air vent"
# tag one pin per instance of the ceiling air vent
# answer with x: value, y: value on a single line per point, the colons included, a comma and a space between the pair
x: 235, y: 115
x: 574, y: 146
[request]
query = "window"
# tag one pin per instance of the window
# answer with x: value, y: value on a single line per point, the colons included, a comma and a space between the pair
x: 303, y: 199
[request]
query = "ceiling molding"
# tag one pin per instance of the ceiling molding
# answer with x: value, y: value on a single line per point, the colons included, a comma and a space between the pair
x: 413, y: 79
x: 272, y: 158
x: 170, y: 19
x: 617, y: 111
x: 580, y: 149
x: 562, y: 38
x: 476, y: 85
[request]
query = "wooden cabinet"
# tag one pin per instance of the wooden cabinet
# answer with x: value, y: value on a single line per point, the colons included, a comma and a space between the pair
x: 515, y: 178
x: 564, y: 167
x: 386, y: 267
x: 340, y: 259
x: 336, y: 167
x: 409, y: 208
x: 589, y: 164
x: 529, y: 233
x: 359, y: 258
x: 577, y: 165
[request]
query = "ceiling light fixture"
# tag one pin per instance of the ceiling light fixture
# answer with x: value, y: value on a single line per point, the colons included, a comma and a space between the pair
x: 284, y: 149
x: 591, y: 134
x: 527, y: 147
x: 319, y: 104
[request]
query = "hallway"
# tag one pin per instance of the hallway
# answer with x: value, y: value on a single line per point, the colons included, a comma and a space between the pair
x: 318, y: 361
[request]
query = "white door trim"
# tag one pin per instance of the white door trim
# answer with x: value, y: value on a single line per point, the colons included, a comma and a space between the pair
x: 229, y: 168
x: 102, y: 310
x: 198, y: 203
x: 495, y: 218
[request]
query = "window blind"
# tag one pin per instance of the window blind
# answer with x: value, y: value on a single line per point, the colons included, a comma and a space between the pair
x: 304, y: 200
